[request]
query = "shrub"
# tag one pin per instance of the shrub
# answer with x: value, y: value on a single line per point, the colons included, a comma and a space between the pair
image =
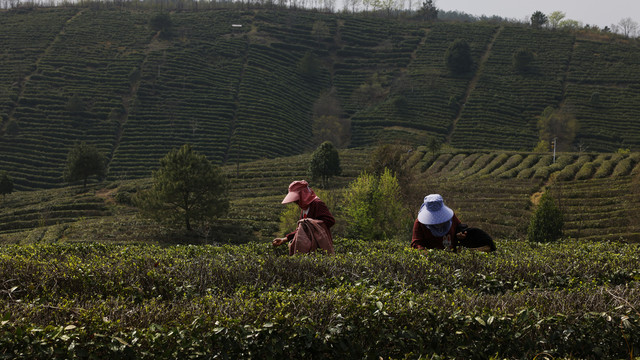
x: 522, y: 59
x: 546, y: 222
x: 309, y: 65
x: 6, y: 184
x: 458, y: 57
x: 162, y: 23
x: 586, y: 171
x: 372, y: 207
x: 623, y: 167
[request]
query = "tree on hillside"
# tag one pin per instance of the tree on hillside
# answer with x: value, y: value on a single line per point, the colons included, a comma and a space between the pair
x: 458, y: 57
x: 522, y: 59
x: 353, y: 4
x: 75, y: 105
x: 388, y: 156
x: 309, y: 65
x: 386, y: 5
x: 555, y: 123
x: 538, y: 20
x: 328, y: 104
x: 628, y: 27
x: 555, y: 18
x: 6, y: 184
x: 428, y: 11
x: 161, y: 23
x: 370, y: 92
x: 320, y: 30
x: 187, y: 190
x: 325, y: 163
x: 329, y: 122
x: 434, y: 145
x: 84, y: 161
x: 569, y: 24
x: 336, y: 130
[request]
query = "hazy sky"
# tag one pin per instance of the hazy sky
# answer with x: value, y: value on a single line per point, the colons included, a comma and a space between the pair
x: 593, y: 12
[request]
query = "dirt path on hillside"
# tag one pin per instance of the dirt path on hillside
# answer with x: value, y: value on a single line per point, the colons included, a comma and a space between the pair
x: 236, y: 106
x: 473, y: 83
x: 107, y: 195
x: 535, y: 197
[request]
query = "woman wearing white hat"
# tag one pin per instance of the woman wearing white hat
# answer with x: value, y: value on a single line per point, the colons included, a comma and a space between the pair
x: 435, y: 227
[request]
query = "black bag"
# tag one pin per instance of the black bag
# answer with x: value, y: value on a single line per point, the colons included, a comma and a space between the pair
x: 476, y: 238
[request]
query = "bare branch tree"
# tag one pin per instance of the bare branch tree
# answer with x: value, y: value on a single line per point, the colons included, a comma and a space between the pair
x: 628, y: 27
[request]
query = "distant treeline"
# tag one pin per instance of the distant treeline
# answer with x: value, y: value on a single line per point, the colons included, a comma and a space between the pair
x: 395, y: 9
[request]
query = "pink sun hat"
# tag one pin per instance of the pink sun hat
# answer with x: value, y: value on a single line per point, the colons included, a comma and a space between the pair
x: 300, y: 190
x: 433, y: 211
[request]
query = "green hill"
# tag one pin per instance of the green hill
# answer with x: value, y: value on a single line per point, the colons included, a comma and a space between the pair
x: 246, y: 93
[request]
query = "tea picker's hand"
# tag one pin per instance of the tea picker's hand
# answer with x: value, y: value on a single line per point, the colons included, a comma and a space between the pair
x: 278, y: 241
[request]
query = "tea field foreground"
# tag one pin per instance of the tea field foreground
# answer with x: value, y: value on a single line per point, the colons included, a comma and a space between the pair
x: 82, y: 276
x: 377, y: 299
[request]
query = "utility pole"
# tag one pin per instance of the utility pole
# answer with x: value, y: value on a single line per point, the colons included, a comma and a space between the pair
x: 553, y: 145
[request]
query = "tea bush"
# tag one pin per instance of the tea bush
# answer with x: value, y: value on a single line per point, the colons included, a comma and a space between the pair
x: 372, y: 207
x: 372, y: 299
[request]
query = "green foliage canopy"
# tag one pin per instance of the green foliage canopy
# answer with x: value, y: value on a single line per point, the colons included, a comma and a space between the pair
x: 75, y: 105
x: 309, y: 65
x: 162, y: 23
x: 373, y: 207
x: 325, y: 163
x: 522, y: 59
x: 428, y: 11
x: 555, y: 18
x: 84, y: 161
x: 329, y: 122
x: 546, y: 222
x: 458, y: 57
x: 6, y: 184
x: 538, y: 19
x: 333, y: 129
x: 560, y: 124
x: 187, y: 189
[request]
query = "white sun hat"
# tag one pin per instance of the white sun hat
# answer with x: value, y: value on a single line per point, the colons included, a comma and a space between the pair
x: 433, y: 211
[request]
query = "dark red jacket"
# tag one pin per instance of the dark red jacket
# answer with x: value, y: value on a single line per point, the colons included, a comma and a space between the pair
x: 317, y: 210
x: 422, y: 237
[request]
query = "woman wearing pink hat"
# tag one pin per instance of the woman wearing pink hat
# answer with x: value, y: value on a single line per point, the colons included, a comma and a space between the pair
x: 435, y: 227
x: 311, y: 208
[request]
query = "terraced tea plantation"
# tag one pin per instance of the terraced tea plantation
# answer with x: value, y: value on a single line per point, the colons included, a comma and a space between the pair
x: 83, y: 275
x: 87, y: 276
x: 497, y: 191
x: 241, y: 85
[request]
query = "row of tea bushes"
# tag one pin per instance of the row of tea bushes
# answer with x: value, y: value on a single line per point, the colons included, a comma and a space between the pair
x: 505, y: 101
x: 430, y: 93
x: 507, y: 165
x: 370, y: 300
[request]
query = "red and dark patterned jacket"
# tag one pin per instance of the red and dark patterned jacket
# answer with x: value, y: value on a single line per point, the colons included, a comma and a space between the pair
x: 422, y: 237
x: 318, y: 210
